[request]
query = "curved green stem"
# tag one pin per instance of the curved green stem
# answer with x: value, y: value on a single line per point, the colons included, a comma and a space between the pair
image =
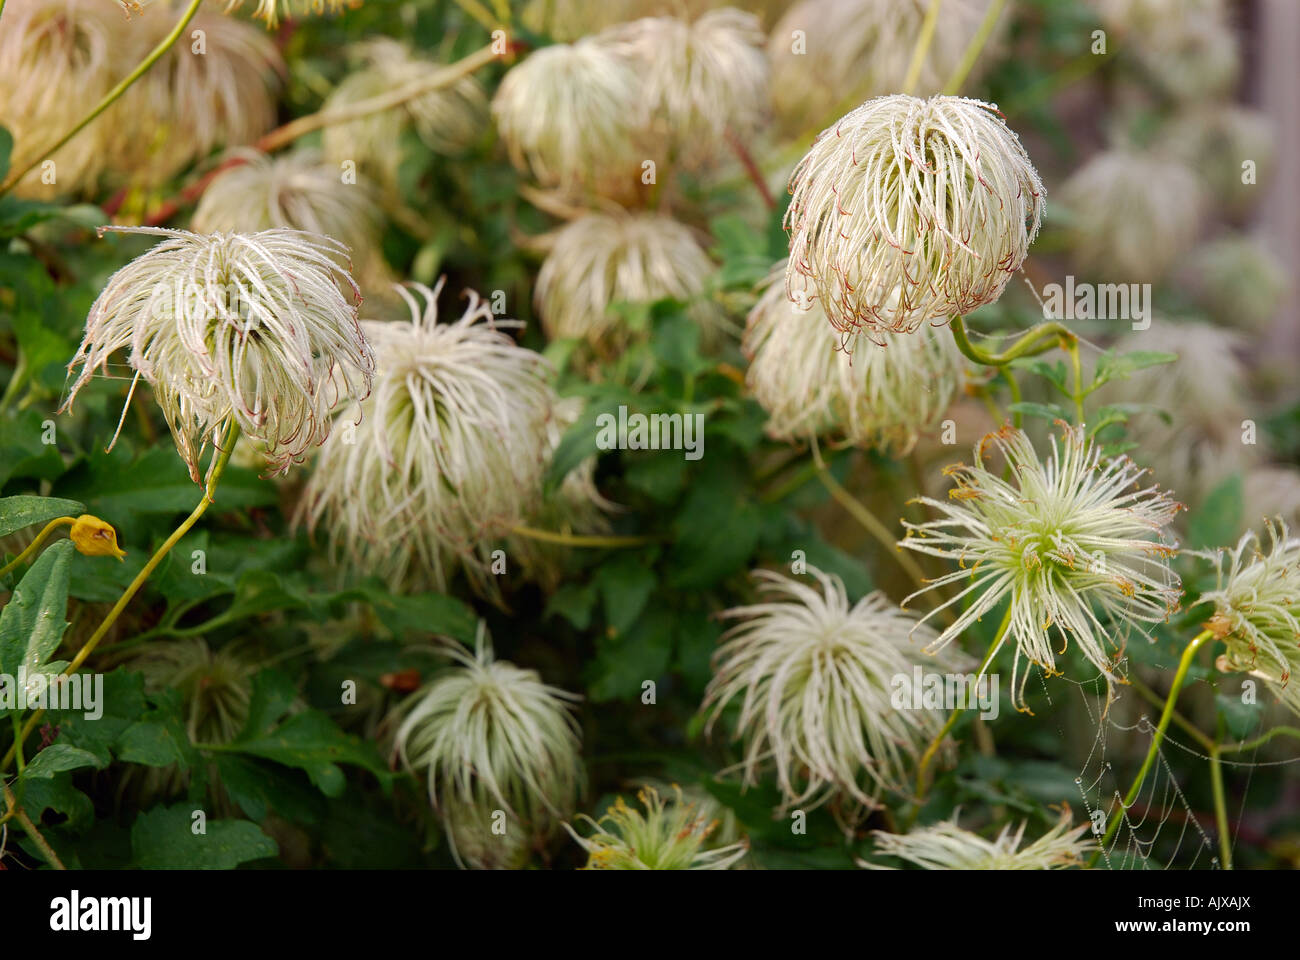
x: 1259, y: 741
x: 36, y: 544
x: 582, y: 540
x: 973, y: 49
x: 154, y: 56
x: 1166, y: 716
x: 922, y: 768
x: 1040, y: 339
x: 922, y: 46
x: 220, y: 459
x: 1077, y: 394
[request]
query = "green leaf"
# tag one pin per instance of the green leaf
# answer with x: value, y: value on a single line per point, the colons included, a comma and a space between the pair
x: 1218, y: 521
x: 574, y: 602
x: 33, y: 621
x: 6, y: 150
x: 625, y: 585
x: 17, y: 513
x: 123, y: 704
x: 623, y: 663
x: 1054, y: 373
x: 1049, y: 411
x: 676, y: 341
x: 424, y: 613
x: 308, y: 741
x: 259, y: 788
x: 578, y: 443
x: 57, y: 793
x: 164, y: 839
x: 660, y: 478
x: 1112, y: 366
x: 59, y: 758
x: 716, y: 530
x: 160, y: 740
x: 1240, y: 719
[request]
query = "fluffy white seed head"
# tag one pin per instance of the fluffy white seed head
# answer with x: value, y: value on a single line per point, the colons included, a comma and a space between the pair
x: 194, y: 99
x: 252, y: 328
x: 813, y: 676
x: 1204, y: 394
x: 672, y: 834
x: 701, y: 78
x: 1077, y: 545
x: 447, y: 120
x: 1239, y: 280
x: 1216, y: 140
x: 909, y: 210
x: 602, y: 259
x: 946, y: 846
x: 1133, y: 214
x: 297, y: 191
x: 58, y: 58
x: 1187, y: 48
x: 1257, y: 610
x: 844, y: 53
x: 492, y: 736
x: 872, y: 396
x: 573, y: 116
x: 449, y: 452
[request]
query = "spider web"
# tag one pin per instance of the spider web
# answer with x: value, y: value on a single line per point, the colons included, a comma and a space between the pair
x: 1159, y: 830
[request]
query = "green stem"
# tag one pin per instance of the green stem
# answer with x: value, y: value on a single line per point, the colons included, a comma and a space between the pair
x: 1259, y: 741
x: 1220, y: 810
x: 17, y: 721
x: 36, y: 544
x: 581, y: 540
x: 1072, y: 347
x: 1040, y: 339
x: 922, y: 46
x: 220, y: 459
x: 19, y: 814
x: 922, y: 781
x: 868, y: 520
x: 1166, y: 716
x: 1182, y: 722
x: 973, y: 49
x: 154, y: 56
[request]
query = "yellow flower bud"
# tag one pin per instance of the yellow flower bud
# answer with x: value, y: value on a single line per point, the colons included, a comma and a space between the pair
x: 95, y: 538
